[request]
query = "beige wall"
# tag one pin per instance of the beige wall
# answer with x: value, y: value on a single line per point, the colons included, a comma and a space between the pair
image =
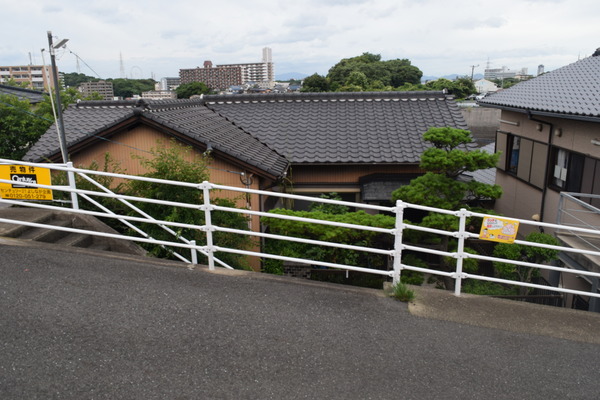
x: 137, y: 142
x: 522, y: 200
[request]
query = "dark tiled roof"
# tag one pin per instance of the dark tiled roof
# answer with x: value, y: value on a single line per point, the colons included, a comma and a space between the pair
x: 190, y: 118
x: 33, y: 96
x: 573, y: 90
x: 357, y: 127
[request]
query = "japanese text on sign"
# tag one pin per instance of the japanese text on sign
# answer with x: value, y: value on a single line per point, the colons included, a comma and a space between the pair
x: 499, y: 229
x: 21, y: 176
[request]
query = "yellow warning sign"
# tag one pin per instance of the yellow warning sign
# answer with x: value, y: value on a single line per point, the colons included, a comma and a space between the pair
x: 499, y: 229
x: 20, y: 176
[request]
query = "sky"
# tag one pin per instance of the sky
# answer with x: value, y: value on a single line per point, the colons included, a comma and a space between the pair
x: 154, y: 39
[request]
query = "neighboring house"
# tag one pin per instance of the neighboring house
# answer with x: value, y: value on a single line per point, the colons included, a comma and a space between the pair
x: 125, y: 129
x: 484, y: 86
x: 549, y: 135
x: 362, y: 145
x: 32, y: 96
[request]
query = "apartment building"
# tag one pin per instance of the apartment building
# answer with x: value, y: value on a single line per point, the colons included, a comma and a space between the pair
x: 37, y: 77
x: 262, y: 73
x: 225, y: 75
x: 216, y: 78
x: 103, y: 88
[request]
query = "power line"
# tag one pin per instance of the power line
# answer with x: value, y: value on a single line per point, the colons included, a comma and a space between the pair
x: 86, y: 64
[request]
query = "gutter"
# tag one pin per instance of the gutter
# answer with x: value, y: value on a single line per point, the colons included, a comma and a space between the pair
x: 550, y: 114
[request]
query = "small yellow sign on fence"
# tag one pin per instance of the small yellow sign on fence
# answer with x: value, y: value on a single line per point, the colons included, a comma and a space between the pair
x: 499, y: 229
x: 20, y: 176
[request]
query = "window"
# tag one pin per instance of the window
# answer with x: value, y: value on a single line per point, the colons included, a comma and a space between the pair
x: 524, y: 158
x: 514, y: 147
x: 567, y: 171
x: 574, y: 172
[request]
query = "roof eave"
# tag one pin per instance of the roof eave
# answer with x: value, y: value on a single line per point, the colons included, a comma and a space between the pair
x: 587, y: 118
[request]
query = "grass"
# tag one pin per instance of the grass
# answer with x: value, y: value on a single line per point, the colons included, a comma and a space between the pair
x: 400, y: 291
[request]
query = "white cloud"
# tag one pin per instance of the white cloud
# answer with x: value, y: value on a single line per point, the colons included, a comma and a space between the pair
x: 308, y: 36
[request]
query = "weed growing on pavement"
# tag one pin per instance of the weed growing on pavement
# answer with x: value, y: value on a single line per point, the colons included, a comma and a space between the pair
x: 401, y: 292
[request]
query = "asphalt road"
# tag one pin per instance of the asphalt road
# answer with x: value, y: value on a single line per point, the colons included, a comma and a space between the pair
x: 76, y: 325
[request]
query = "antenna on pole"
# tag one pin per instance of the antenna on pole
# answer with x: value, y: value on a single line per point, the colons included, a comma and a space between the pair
x: 122, y: 66
x: 473, y: 69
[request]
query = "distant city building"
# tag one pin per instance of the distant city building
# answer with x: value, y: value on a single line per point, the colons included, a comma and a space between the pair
x: 33, y: 75
x: 216, y: 78
x: 504, y: 73
x: 169, y: 83
x: 159, y: 94
x: 222, y: 76
x: 103, y: 88
x: 540, y: 69
x: 262, y: 73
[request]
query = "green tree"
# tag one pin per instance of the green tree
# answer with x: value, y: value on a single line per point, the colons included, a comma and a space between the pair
x: 74, y: 79
x: 315, y: 83
x: 444, y: 162
x: 20, y: 127
x: 459, y: 88
x: 170, y: 163
x: 188, y: 90
x: 126, y: 88
x: 521, y: 252
x: 379, y: 74
x: 22, y: 124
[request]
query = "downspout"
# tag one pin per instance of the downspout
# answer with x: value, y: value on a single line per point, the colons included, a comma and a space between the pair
x: 548, y: 157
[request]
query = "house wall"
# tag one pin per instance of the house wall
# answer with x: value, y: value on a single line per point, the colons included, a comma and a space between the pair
x: 524, y: 189
x: 125, y: 147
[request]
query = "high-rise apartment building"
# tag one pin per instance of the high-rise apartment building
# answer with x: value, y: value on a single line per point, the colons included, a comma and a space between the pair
x: 225, y: 75
x: 103, y: 88
x: 37, y: 77
x: 261, y: 73
x: 216, y: 78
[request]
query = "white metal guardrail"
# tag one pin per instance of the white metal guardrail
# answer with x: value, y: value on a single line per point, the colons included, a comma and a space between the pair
x: 210, y: 248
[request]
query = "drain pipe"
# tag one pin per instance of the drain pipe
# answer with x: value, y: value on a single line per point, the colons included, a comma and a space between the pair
x: 548, y: 157
x: 554, y: 277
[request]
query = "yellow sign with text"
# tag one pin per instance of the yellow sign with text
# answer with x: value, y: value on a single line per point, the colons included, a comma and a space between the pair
x: 499, y: 229
x: 20, y: 176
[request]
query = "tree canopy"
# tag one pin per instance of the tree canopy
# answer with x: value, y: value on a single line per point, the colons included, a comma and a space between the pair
x: 188, y: 90
x: 369, y: 70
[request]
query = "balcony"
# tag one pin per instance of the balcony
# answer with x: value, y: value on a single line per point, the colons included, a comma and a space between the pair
x: 578, y: 210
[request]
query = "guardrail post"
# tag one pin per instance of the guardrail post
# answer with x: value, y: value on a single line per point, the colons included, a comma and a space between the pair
x: 194, y: 252
x: 72, y: 185
x: 399, y: 227
x: 208, y: 222
x: 460, y: 251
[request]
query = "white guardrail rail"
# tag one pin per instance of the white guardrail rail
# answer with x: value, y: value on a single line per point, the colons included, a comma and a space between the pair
x: 210, y: 248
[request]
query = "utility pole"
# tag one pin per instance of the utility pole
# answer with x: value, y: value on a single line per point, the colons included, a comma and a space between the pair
x: 60, y: 123
x: 473, y: 69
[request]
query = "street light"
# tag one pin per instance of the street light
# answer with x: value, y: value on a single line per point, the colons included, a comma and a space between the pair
x: 61, y: 126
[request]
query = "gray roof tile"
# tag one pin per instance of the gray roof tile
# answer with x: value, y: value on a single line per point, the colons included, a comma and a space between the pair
x: 573, y: 90
x: 190, y: 118
x: 357, y: 127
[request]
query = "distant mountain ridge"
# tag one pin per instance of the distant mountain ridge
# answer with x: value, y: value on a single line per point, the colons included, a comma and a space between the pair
x: 290, y: 75
x: 427, y: 78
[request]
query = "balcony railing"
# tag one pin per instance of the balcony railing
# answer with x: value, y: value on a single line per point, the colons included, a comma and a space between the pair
x: 577, y: 210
